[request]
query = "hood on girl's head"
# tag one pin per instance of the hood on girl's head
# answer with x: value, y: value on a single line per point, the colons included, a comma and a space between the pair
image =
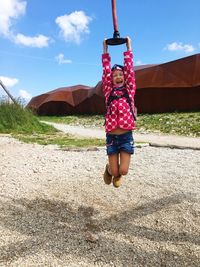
x: 117, y: 67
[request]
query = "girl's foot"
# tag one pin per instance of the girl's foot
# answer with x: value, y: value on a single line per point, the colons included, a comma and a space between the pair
x: 117, y: 181
x: 107, y: 176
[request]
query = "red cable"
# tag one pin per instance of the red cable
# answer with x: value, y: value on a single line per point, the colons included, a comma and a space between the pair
x: 114, y: 14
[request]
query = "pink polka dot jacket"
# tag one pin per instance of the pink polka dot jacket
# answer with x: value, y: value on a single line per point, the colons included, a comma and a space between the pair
x: 119, y: 113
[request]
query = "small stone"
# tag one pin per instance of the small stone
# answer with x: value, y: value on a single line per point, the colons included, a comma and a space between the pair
x: 90, y: 237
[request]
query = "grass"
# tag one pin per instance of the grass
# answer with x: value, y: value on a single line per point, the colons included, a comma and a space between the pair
x: 60, y: 139
x: 93, y: 121
x: 23, y: 125
x: 186, y: 124
x: 15, y: 119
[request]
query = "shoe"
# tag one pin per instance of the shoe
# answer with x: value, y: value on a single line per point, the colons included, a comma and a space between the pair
x: 117, y: 181
x: 107, y: 176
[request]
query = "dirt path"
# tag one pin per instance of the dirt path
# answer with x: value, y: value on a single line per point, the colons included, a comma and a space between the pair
x: 162, y: 140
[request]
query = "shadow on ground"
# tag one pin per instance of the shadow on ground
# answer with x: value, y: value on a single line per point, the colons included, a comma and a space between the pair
x: 59, y: 229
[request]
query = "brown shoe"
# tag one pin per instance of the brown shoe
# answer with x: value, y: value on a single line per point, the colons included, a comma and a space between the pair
x: 117, y: 181
x: 107, y: 176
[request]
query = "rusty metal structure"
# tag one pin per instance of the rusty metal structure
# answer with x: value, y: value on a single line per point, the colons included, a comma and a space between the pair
x: 168, y: 87
x: 78, y: 99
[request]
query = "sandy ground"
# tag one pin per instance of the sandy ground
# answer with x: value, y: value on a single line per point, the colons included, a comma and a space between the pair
x: 55, y: 209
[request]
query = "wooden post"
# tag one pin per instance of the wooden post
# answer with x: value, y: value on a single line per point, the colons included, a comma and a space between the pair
x: 8, y: 93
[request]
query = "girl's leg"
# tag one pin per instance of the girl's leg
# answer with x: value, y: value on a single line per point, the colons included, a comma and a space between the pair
x: 114, y: 164
x: 125, y: 159
x: 114, y: 167
x: 123, y: 168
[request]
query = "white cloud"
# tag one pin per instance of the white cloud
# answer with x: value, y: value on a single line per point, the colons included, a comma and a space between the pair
x: 10, y: 10
x: 9, y: 82
x: 25, y: 95
x: 37, y: 41
x: 138, y: 63
x: 61, y: 59
x: 187, y: 48
x: 73, y: 26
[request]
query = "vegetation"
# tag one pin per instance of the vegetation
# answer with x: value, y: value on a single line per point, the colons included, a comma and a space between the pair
x: 23, y: 125
x: 96, y: 121
x: 15, y: 119
x: 60, y: 139
x: 187, y: 124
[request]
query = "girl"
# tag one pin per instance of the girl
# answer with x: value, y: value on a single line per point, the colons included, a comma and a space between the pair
x: 119, y: 90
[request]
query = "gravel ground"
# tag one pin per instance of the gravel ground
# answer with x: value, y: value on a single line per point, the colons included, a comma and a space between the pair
x: 55, y: 209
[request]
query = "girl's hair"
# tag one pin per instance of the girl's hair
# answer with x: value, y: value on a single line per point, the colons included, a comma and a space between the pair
x: 117, y: 67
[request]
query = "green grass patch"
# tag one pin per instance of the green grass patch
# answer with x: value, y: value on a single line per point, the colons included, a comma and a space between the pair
x: 24, y: 126
x: 186, y: 124
x: 77, y: 120
x: 16, y: 119
x: 60, y: 139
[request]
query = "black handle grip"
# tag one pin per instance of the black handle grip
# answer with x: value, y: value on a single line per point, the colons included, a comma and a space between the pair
x: 116, y: 41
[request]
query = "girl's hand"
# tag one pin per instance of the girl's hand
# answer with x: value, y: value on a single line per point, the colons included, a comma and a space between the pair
x: 128, y: 43
x: 105, y: 47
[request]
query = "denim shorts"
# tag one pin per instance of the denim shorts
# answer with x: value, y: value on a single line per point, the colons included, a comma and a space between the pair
x: 116, y: 143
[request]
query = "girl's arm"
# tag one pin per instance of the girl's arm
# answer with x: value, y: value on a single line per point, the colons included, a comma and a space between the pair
x: 129, y: 73
x: 107, y: 73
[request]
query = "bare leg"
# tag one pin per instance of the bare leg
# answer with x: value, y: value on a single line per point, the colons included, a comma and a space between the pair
x: 114, y: 164
x: 125, y: 159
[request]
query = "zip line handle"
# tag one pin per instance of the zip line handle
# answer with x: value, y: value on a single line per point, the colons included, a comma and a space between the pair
x: 116, y: 40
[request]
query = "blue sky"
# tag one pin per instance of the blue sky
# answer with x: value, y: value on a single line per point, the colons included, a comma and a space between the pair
x: 47, y: 44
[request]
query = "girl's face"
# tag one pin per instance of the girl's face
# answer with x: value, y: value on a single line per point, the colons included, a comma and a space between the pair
x: 118, y: 78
